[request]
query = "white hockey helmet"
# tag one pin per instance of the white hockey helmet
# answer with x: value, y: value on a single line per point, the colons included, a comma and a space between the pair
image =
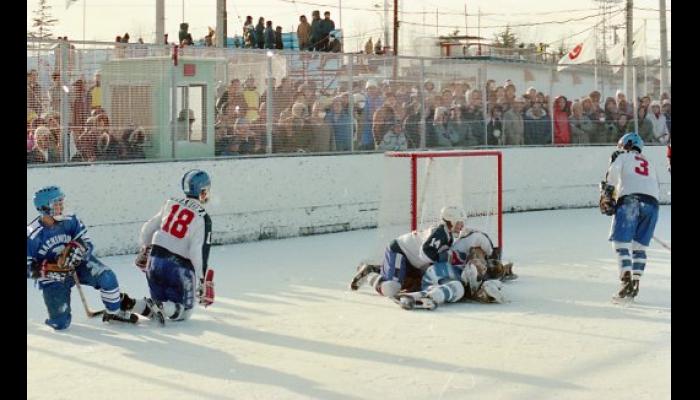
x: 452, y: 214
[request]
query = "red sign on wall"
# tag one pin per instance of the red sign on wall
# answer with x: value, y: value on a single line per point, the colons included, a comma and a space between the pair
x: 189, y: 69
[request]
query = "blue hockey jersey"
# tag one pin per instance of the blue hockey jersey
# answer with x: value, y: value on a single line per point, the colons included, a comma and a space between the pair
x: 46, y: 243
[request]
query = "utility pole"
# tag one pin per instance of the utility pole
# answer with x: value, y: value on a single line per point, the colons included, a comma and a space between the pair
x: 160, y: 21
x: 628, y: 47
x: 386, y: 23
x: 396, y: 28
x: 220, y: 23
x: 664, y: 46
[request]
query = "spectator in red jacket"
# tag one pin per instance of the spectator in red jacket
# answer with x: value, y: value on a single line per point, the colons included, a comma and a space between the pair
x: 562, y: 130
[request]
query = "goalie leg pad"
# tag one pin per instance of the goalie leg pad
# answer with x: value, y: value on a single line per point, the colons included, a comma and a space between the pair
x: 490, y: 292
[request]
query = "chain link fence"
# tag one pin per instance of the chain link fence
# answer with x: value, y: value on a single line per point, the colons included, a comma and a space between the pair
x: 91, y: 101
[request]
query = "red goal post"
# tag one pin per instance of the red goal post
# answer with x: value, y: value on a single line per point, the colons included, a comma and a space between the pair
x: 416, y: 185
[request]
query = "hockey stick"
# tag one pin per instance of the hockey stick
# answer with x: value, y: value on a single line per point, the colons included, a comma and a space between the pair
x: 88, y: 312
x: 662, y: 243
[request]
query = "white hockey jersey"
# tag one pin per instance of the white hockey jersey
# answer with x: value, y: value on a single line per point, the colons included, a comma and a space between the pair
x: 632, y: 173
x: 183, y: 227
x: 414, y: 244
x: 469, y: 239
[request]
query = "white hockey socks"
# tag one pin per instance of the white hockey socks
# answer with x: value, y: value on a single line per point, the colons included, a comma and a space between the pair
x: 639, y: 260
x: 624, y: 258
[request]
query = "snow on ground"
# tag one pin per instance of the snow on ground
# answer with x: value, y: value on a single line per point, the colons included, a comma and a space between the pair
x: 286, y: 326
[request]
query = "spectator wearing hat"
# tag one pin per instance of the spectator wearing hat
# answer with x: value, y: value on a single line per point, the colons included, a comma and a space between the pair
x: 562, y: 131
x: 339, y: 120
x: 373, y: 101
x: 538, y: 128
x: 412, y: 123
x: 327, y: 26
x: 658, y: 122
x: 514, y: 124
x: 304, y: 33
x: 316, y: 31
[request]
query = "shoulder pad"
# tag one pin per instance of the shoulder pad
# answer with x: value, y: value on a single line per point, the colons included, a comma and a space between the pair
x: 33, y: 226
x: 615, y: 154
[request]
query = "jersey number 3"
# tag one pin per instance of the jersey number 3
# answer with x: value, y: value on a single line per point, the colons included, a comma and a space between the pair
x: 178, y: 227
x: 643, y: 168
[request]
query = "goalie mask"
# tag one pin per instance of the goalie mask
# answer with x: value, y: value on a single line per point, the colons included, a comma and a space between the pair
x: 196, y: 184
x: 49, y: 201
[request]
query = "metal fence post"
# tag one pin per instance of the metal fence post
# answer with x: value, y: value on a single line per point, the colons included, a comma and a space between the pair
x: 65, y: 98
x: 269, y: 101
x: 351, y: 104
x: 422, y: 103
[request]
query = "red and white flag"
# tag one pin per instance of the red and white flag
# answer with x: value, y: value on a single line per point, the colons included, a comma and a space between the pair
x: 581, y: 53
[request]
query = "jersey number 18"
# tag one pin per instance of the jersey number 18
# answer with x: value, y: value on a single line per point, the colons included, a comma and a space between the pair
x: 178, y: 227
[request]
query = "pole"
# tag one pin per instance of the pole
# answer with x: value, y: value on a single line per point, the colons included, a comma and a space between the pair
x: 269, y: 101
x: 220, y: 23
x: 183, y: 10
x: 386, y: 23
x: 84, y: 7
x: 664, y: 47
x: 340, y: 14
x: 396, y: 32
x: 630, y: 37
x: 634, y: 98
x: 160, y: 22
x: 466, y: 32
x: 646, y: 88
x: 436, y: 23
x: 478, y: 30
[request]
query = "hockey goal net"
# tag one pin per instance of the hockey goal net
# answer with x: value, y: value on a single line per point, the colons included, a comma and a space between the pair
x: 417, y: 185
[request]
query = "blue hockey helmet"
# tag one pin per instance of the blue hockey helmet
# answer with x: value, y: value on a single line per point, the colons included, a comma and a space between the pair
x: 194, y: 182
x: 46, y: 197
x: 630, y: 141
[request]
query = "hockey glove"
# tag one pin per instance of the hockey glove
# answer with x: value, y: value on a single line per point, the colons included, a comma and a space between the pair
x: 142, y: 258
x: 607, y: 203
x: 71, y: 257
x: 206, y: 289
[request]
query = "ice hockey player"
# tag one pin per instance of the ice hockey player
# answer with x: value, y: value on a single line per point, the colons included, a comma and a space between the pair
x: 630, y: 194
x: 473, y: 273
x: 174, y: 254
x: 58, y: 250
x: 411, y: 254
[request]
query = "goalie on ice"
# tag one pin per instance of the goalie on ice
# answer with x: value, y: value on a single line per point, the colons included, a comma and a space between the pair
x: 58, y: 250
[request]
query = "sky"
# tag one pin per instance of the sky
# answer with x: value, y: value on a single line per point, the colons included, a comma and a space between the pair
x: 360, y: 19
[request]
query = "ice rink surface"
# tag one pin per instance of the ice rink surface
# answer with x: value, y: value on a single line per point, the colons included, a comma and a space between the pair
x: 285, y: 325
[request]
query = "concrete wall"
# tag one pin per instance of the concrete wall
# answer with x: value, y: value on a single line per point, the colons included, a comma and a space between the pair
x: 260, y: 198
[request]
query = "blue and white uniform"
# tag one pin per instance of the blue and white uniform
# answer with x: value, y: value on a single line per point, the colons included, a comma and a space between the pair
x: 412, y: 253
x: 637, y: 209
x: 45, y: 244
x: 180, y: 234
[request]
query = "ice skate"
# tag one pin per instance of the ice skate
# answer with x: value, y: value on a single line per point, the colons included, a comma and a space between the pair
x: 363, y: 270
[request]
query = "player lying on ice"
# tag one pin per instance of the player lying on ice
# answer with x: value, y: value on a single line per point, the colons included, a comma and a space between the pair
x: 407, y: 257
x: 417, y: 260
x: 175, y: 252
x: 474, y: 272
x: 58, y: 251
